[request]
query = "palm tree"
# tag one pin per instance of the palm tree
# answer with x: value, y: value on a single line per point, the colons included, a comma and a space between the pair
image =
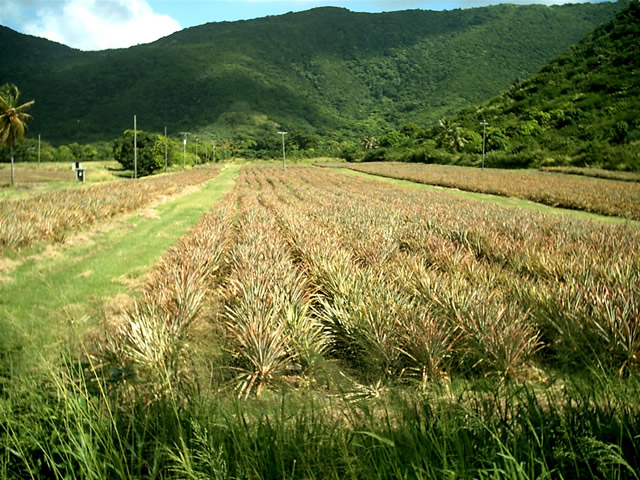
x: 369, y: 142
x: 12, y: 119
x: 450, y: 135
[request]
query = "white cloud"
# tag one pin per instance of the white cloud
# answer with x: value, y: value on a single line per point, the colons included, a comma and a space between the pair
x: 98, y: 24
x: 12, y: 11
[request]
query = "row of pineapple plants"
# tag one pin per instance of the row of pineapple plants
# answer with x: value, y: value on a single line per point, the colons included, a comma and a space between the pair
x: 269, y: 323
x: 49, y: 216
x: 395, y: 282
x: 149, y: 353
x: 596, y: 195
x: 393, y: 316
x: 400, y: 275
x: 103, y: 408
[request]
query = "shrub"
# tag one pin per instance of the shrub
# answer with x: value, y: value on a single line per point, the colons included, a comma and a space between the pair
x: 150, y: 156
x: 376, y: 155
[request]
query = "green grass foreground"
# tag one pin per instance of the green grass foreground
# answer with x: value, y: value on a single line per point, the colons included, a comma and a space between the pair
x: 54, y: 427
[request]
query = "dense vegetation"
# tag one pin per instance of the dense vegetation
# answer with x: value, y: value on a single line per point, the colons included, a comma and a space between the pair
x: 28, y: 151
x: 142, y: 152
x: 328, y: 73
x: 581, y: 109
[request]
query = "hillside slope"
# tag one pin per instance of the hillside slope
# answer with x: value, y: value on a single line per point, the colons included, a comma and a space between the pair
x: 326, y: 71
x: 583, y: 108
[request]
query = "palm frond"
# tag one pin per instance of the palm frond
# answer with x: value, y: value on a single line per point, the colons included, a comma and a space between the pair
x: 13, y: 117
x: 25, y: 106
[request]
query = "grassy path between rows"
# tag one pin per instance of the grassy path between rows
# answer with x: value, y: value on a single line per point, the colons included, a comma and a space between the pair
x: 75, y: 284
x: 507, y: 201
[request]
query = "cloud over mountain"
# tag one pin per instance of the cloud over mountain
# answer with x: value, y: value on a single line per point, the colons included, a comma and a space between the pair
x: 90, y: 24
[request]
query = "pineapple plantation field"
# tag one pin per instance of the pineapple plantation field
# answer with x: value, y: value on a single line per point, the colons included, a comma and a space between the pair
x: 309, y: 323
x: 49, y: 215
x: 33, y: 177
x: 615, y: 194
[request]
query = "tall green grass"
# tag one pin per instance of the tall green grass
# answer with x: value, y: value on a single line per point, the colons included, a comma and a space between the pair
x: 59, y: 426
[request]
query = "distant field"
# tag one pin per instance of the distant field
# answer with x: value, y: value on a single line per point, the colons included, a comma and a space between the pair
x: 42, y: 175
x: 48, y: 215
x: 32, y: 177
x: 596, y: 195
x: 54, y: 171
x: 595, y: 172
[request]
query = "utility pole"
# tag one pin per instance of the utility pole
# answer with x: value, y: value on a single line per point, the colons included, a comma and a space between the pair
x: 184, y: 149
x: 213, y: 147
x: 12, y: 166
x: 165, y: 150
x: 484, y: 140
x: 135, y: 148
x: 284, y: 165
x: 38, y: 150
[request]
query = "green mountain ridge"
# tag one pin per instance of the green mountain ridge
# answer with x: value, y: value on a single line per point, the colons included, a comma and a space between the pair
x: 326, y: 71
x: 582, y: 108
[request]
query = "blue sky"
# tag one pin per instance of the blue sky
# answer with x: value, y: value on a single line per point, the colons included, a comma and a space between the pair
x: 192, y: 12
x: 102, y: 24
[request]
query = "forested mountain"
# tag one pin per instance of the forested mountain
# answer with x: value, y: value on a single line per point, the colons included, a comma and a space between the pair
x: 582, y: 108
x: 326, y: 71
